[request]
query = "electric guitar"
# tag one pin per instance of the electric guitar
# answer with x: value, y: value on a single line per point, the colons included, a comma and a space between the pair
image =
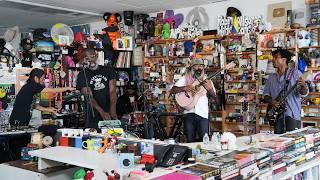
x: 187, y: 100
x: 275, y: 111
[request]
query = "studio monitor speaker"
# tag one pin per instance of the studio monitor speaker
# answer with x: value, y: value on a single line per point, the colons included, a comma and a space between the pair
x: 128, y: 18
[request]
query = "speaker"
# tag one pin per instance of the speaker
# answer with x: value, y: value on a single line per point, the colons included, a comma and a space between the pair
x: 128, y: 18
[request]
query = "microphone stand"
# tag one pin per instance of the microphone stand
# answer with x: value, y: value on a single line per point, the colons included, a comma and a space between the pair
x: 89, y: 96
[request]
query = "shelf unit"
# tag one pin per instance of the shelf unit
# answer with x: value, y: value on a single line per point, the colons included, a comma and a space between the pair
x: 240, y: 84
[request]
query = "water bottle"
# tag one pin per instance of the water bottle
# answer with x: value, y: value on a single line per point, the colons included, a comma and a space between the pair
x: 206, y: 139
x: 214, y: 138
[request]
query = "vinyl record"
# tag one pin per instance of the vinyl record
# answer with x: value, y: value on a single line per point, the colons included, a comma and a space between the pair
x: 123, y: 76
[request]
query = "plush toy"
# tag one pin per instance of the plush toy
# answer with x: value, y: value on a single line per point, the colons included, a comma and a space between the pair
x: 166, y: 31
x: 111, y: 33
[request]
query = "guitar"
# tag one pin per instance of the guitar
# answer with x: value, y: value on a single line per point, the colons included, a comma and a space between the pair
x: 275, y: 111
x: 187, y: 100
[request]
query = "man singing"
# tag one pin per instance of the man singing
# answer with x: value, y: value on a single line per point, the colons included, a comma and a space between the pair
x: 196, y: 119
x: 276, y: 82
x: 99, y: 83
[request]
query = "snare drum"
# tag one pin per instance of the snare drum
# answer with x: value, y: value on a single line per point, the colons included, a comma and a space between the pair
x: 137, y: 118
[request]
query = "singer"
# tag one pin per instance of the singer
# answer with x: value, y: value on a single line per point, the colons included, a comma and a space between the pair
x: 196, y: 119
x: 26, y: 98
x: 98, y: 82
x: 285, y: 77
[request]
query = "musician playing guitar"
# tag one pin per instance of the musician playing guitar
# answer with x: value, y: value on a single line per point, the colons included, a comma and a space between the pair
x: 196, y: 118
x: 276, y: 83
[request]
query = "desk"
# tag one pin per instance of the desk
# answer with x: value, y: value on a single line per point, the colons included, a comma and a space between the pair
x: 109, y: 161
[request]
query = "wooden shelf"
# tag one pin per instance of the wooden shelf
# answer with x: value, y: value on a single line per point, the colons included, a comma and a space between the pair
x: 210, y: 53
x: 155, y: 56
x: 313, y: 69
x: 273, y: 49
x: 238, y: 123
x: 236, y: 70
x: 178, y: 65
x: 241, y: 53
x: 213, y: 69
x: 310, y: 118
x: 312, y: 106
x: 210, y: 37
x: 178, y: 57
x: 241, y: 81
x: 308, y: 47
x: 238, y: 103
x: 280, y: 31
x: 242, y: 92
x: 314, y: 93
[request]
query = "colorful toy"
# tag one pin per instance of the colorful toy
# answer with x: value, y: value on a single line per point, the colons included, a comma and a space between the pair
x: 111, y: 33
x: 166, y: 31
x: 107, y: 143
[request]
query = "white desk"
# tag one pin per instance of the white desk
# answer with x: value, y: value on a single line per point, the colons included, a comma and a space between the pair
x: 54, y: 156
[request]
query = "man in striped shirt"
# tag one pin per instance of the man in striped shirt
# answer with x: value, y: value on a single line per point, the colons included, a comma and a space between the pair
x: 276, y: 82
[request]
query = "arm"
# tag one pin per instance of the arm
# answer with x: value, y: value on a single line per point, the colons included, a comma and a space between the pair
x: 210, y: 88
x: 49, y: 109
x: 57, y: 90
x: 87, y: 91
x: 113, y: 98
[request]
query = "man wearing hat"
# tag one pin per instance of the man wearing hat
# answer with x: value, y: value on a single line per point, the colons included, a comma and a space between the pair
x: 196, y: 119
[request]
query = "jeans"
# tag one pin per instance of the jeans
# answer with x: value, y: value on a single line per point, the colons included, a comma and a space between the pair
x: 291, y: 124
x: 195, y: 123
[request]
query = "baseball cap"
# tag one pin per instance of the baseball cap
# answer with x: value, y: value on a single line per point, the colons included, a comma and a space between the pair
x: 197, y: 61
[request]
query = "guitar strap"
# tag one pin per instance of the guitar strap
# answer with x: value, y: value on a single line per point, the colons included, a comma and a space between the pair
x: 287, y: 82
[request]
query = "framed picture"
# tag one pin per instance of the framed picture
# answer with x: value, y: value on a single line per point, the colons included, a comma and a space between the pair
x: 125, y: 43
x: 231, y: 98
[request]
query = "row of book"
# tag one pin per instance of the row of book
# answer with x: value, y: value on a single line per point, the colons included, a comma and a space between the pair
x: 275, y: 155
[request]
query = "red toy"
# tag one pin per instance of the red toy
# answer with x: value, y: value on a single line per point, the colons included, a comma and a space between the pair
x: 112, y: 30
x: 146, y: 158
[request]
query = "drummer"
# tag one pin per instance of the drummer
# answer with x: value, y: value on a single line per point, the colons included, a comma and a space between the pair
x: 128, y: 102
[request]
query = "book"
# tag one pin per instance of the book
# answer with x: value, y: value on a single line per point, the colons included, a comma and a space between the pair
x: 259, y: 153
x: 236, y: 171
x: 280, y: 170
x: 178, y: 175
x: 224, y: 164
x: 242, y: 157
x: 201, y: 170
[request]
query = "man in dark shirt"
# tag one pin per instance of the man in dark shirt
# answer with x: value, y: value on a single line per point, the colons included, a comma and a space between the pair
x: 99, y: 83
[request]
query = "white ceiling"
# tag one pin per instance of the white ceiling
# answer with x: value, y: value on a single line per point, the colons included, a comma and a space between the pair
x: 27, y: 16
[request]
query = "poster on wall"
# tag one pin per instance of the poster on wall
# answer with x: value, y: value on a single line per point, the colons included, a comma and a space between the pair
x: 238, y: 25
x: 7, y: 95
x: 277, y: 13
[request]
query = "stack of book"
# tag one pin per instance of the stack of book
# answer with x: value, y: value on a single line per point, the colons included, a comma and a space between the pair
x: 278, y: 146
x: 262, y: 157
x: 228, y: 167
x: 246, y: 162
x: 202, y: 171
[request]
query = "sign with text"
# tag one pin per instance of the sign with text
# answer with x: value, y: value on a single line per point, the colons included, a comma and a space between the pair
x: 238, y: 25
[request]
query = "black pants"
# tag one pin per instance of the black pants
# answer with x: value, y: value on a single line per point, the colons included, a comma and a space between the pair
x: 291, y: 124
x: 195, y: 124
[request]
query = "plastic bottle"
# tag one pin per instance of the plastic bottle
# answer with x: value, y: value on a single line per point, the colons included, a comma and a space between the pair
x: 206, y: 139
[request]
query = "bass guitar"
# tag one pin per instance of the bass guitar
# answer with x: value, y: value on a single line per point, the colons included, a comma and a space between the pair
x: 187, y: 100
x: 275, y: 111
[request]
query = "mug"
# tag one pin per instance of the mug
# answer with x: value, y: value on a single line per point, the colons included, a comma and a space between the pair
x: 78, y: 143
x: 71, y: 141
x: 64, y: 141
x: 96, y: 143
x: 88, y: 144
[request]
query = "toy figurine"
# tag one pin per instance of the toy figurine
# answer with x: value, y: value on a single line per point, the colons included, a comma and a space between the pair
x: 166, y: 31
x: 158, y: 30
x: 107, y: 143
x: 111, y: 33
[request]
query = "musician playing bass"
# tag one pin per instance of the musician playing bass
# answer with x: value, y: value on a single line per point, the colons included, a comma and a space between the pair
x: 196, y: 119
x: 285, y: 77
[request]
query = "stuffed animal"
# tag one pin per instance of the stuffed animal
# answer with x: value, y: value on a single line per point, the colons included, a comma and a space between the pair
x: 166, y: 31
x: 112, y: 29
x: 106, y: 143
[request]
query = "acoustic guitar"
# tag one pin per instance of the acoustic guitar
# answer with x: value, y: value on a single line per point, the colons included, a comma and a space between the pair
x: 187, y: 100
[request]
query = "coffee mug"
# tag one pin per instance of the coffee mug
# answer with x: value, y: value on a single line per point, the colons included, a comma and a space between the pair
x: 96, y: 143
x: 78, y: 143
x: 88, y: 144
x: 64, y: 141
